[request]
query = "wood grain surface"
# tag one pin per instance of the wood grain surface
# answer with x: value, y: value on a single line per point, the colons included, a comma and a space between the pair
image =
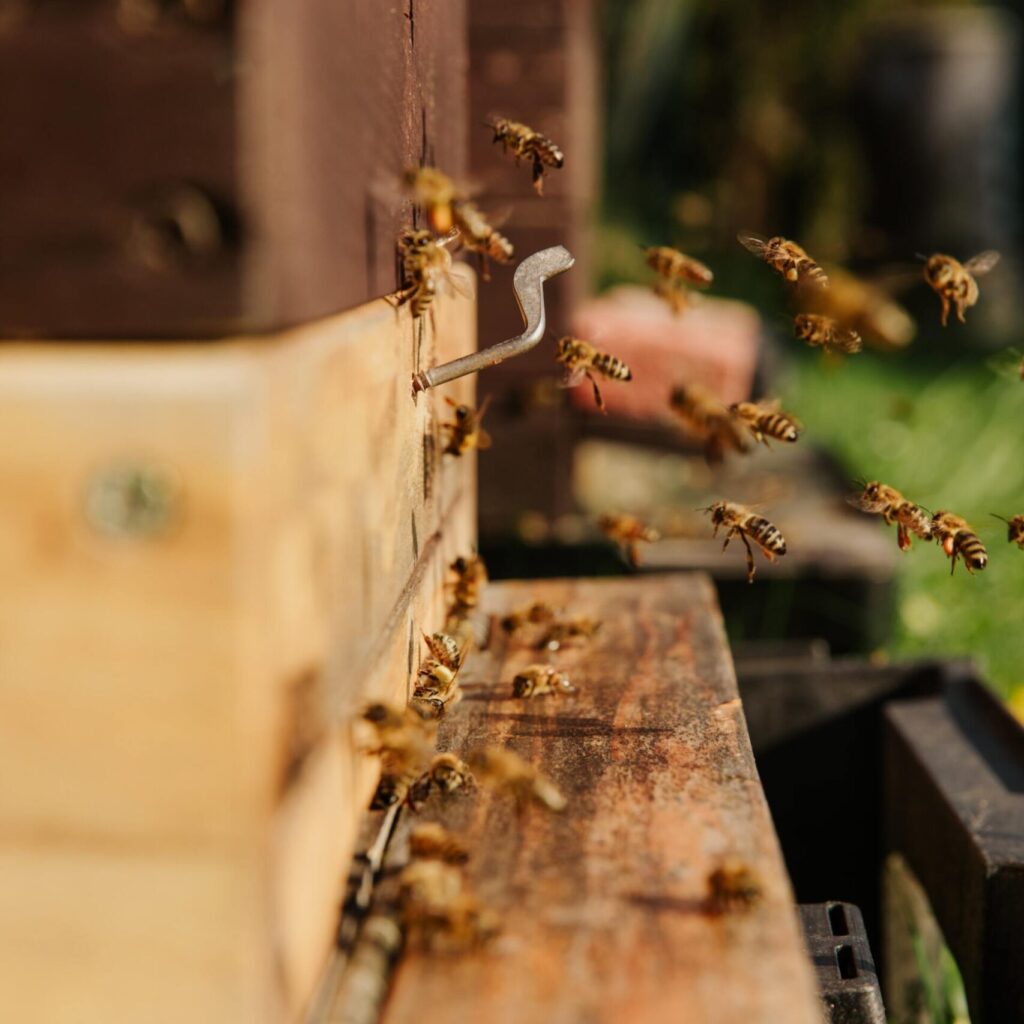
x: 603, y: 906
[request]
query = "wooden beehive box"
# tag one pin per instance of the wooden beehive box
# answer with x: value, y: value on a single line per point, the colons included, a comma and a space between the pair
x: 210, y: 555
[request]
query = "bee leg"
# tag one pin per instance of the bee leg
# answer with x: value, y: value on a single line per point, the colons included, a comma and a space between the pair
x: 538, y: 177
x: 597, y: 393
x: 485, y: 267
x: 960, y: 316
x: 633, y: 553
x: 945, y: 309
x: 750, y: 558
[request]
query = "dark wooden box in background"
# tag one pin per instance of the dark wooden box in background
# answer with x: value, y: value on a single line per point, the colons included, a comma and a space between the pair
x: 175, y: 168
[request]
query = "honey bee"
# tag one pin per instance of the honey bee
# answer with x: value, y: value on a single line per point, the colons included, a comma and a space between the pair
x: 732, y: 887
x: 464, y: 433
x: 707, y: 419
x: 825, y: 332
x: 435, y: 688
x: 785, y: 257
x: 437, y: 194
x: 1014, y: 530
x: 524, y: 143
x: 445, y: 773
x: 506, y: 771
x: 676, y: 271
x: 445, y: 649
x: 741, y: 522
x: 470, y: 578
x: 628, y: 532
x: 438, y: 913
x: 479, y: 236
x: 581, y: 359
x: 536, y: 680
x: 405, y: 743
x: 579, y: 627
x: 863, y: 307
x: 954, y: 282
x: 426, y: 265
x: 432, y: 841
x: 766, y: 420
x: 957, y: 539
x: 880, y: 499
x: 530, y: 614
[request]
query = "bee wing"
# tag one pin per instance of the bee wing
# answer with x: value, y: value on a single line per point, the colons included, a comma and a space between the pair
x: 483, y: 440
x: 982, y: 263
x: 847, y: 340
x: 752, y: 243
x: 858, y: 501
x: 460, y: 285
x: 572, y: 377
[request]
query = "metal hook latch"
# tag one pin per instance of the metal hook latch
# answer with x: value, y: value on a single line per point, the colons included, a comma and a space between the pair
x: 528, y: 286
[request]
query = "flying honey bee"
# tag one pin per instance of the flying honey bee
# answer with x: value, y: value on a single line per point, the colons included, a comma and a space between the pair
x: 446, y: 773
x: 524, y: 143
x: 426, y: 265
x: 578, y: 627
x: 464, y: 433
x: 880, y: 499
x: 705, y: 418
x: 479, y: 236
x: 862, y: 307
x: 536, y: 680
x: 955, y: 536
x: 438, y: 912
x: 954, y: 282
x: 764, y: 420
x: 432, y: 841
x: 1014, y: 530
x: 785, y: 257
x: 581, y: 359
x: 531, y: 614
x: 470, y: 578
x: 732, y: 887
x: 437, y: 194
x: 825, y: 332
x: 676, y: 271
x: 506, y: 771
x: 628, y: 532
x: 741, y: 522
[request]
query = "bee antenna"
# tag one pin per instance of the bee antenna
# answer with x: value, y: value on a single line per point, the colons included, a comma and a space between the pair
x: 996, y: 516
x: 921, y: 256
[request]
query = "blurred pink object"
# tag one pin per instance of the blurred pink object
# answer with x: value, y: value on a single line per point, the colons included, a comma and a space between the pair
x: 714, y: 343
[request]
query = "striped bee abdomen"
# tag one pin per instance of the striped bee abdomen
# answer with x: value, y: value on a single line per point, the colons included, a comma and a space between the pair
x: 612, y: 367
x: 971, y: 550
x: 780, y: 427
x: 767, y: 534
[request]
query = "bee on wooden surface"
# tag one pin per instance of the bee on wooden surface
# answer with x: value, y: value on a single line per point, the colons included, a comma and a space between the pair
x: 398, y: 730
x: 954, y: 282
x: 825, y: 332
x: 733, y: 887
x: 531, y: 614
x: 706, y: 419
x: 536, y: 680
x: 741, y: 522
x: 581, y: 359
x: 435, y: 689
x: 676, y: 271
x: 629, y: 533
x: 785, y: 257
x: 437, y: 911
x: 445, y: 649
x: 479, y: 236
x: 765, y: 419
x: 437, y: 194
x: 506, y: 771
x: 445, y: 773
x: 880, y: 499
x: 432, y: 841
x: 524, y: 143
x: 464, y: 433
x: 426, y: 266
x: 561, y: 631
x: 957, y: 538
x: 1014, y: 529
x: 470, y: 578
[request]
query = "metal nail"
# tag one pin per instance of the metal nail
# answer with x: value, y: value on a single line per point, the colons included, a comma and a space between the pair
x: 528, y: 286
x: 133, y: 500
